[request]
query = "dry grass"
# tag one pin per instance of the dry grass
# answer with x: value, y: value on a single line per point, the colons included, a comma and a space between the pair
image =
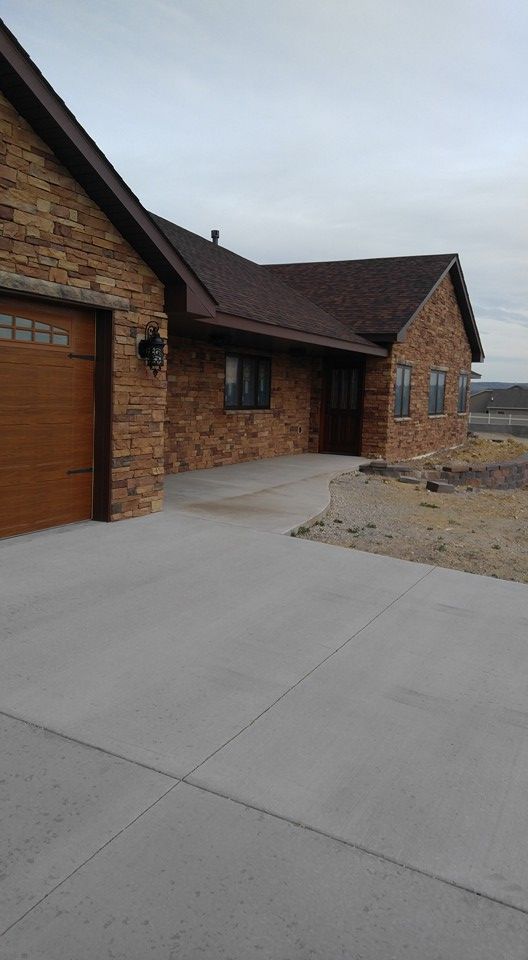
x: 481, y: 532
x: 478, y: 450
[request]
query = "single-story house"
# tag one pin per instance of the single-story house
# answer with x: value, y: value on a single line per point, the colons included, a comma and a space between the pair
x: 504, y: 401
x: 366, y: 357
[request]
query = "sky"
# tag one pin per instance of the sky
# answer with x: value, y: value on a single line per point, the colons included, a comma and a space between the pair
x: 315, y: 129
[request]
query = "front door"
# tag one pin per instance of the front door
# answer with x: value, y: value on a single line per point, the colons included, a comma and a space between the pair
x: 342, y: 409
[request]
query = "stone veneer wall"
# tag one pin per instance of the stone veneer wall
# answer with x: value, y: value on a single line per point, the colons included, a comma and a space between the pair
x: 51, y: 230
x: 436, y: 338
x: 201, y: 433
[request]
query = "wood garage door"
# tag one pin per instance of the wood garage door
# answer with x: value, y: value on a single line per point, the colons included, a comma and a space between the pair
x: 46, y: 415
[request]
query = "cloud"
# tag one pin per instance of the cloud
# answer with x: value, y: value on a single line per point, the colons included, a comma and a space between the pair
x: 305, y: 130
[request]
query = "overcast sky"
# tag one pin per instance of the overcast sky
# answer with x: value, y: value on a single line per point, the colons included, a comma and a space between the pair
x: 315, y: 129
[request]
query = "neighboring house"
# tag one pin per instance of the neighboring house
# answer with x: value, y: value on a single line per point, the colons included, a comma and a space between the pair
x: 497, y: 402
x: 366, y: 357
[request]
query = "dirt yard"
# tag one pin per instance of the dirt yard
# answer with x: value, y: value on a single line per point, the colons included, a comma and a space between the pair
x: 482, y: 532
x: 477, y: 450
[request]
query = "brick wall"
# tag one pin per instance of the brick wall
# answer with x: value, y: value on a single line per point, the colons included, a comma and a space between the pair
x: 200, y: 433
x: 52, y: 231
x: 436, y: 338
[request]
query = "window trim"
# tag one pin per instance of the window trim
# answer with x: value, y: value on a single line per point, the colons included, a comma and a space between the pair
x: 43, y: 333
x: 255, y: 358
x: 439, y: 371
x: 461, y: 376
x: 399, y: 413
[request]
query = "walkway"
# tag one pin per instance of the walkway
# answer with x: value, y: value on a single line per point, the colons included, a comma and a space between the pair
x: 274, y: 495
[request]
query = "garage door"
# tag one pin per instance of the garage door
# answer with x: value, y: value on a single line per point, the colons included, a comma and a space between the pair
x: 46, y: 415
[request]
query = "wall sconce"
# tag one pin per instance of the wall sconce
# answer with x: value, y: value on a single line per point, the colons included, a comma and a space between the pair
x: 150, y: 349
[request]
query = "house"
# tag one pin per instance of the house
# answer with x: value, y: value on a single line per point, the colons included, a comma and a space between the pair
x: 502, y: 402
x: 369, y: 357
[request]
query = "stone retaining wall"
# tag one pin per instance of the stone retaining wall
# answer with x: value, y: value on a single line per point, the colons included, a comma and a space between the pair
x: 510, y: 475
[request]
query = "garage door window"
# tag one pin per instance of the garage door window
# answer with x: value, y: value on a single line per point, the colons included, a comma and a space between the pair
x: 24, y: 330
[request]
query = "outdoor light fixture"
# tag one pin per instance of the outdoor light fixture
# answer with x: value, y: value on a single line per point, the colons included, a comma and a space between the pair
x: 151, y: 348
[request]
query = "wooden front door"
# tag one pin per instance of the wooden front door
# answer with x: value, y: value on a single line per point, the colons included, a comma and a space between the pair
x: 341, y: 415
x: 46, y: 414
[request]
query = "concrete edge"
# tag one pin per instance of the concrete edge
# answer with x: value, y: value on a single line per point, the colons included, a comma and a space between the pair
x: 292, y: 531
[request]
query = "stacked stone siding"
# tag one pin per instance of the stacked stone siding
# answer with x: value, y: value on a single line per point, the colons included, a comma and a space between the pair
x: 201, y: 433
x: 436, y: 338
x: 52, y: 231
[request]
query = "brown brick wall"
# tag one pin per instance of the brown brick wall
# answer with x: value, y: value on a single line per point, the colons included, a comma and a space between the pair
x: 200, y: 433
x: 51, y: 230
x: 435, y: 338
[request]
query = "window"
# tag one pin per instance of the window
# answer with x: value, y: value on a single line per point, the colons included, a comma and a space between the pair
x: 31, y: 331
x: 402, y: 393
x: 462, y: 392
x: 247, y: 383
x: 437, y: 381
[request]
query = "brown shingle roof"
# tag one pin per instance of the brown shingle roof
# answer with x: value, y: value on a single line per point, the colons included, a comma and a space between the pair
x: 373, y: 297
x: 245, y: 289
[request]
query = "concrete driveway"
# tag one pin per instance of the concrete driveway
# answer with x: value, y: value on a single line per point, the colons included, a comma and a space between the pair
x: 221, y: 742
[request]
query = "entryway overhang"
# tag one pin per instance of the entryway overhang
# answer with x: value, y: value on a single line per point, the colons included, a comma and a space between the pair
x: 246, y: 329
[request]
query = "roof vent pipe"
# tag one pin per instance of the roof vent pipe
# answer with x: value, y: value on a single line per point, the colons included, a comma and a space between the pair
x: 215, y: 235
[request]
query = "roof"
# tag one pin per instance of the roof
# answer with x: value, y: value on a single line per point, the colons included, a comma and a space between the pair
x: 513, y: 398
x: 379, y: 297
x: 35, y: 99
x: 244, y: 289
x: 347, y: 305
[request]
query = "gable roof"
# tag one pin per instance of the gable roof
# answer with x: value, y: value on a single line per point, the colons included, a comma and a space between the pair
x: 242, y: 288
x: 27, y: 89
x: 514, y: 398
x: 295, y: 299
x: 380, y: 297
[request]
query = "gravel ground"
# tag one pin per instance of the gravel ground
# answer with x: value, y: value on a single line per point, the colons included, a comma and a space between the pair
x: 480, y: 532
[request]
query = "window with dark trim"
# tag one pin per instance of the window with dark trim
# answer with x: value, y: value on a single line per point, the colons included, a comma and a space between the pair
x: 402, y: 391
x: 462, y: 392
x: 437, y: 381
x: 247, y: 382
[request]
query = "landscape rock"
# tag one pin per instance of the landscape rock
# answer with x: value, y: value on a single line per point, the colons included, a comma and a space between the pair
x: 438, y: 486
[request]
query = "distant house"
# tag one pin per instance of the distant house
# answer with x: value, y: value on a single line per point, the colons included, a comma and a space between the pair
x: 368, y: 357
x: 502, y: 402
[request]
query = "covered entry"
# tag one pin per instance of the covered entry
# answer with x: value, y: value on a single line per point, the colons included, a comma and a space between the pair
x: 47, y: 355
x: 341, y: 408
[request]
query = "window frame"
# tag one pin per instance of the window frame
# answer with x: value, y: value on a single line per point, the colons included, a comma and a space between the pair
x: 402, y: 410
x: 255, y: 360
x: 439, y: 411
x: 464, y: 408
x: 33, y: 331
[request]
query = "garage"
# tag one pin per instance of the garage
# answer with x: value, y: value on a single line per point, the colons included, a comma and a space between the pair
x: 47, y: 361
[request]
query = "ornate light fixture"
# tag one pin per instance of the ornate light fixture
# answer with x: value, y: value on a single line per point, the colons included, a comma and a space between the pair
x: 150, y: 349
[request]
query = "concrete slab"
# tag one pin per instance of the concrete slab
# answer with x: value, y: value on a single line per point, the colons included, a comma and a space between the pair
x: 61, y: 802
x: 274, y: 495
x: 159, y: 639
x: 380, y: 702
x: 412, y: 741
x: 201, y: 876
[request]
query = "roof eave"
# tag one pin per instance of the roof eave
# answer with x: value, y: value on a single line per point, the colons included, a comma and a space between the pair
x: 249, y: 325
x: 36, y: 100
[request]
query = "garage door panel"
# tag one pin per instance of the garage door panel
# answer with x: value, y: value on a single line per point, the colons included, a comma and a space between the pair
x: 46, y: 416
x: 60, y: 501
x: 34, y: 393
x: 42, y: 446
